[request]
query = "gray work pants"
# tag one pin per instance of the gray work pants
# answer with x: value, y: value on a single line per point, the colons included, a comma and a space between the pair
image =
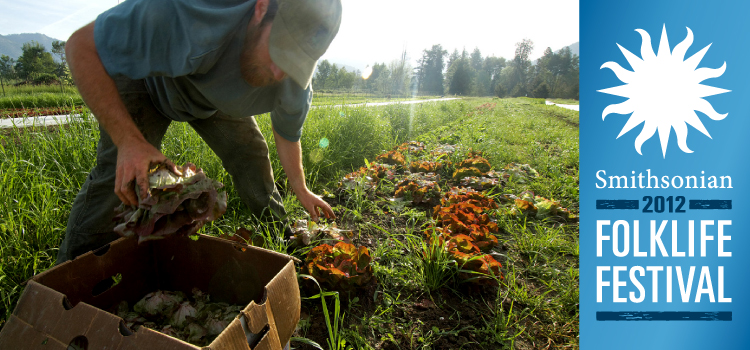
x: 237, y: 142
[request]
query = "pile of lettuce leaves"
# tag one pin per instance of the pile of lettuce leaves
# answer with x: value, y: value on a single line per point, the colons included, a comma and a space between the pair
x: 174, y: 205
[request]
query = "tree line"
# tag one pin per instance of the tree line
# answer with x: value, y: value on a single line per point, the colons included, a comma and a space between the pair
x: 555, y: 74
x: 36, y: 65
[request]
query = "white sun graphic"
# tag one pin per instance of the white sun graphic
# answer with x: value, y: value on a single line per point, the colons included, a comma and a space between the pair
x: 664, y: 91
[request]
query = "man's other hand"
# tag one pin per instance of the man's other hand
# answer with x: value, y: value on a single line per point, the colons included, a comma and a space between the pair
x: 314, y: 204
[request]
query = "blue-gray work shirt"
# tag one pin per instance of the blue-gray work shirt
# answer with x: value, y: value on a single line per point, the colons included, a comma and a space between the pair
x: 188, y: 51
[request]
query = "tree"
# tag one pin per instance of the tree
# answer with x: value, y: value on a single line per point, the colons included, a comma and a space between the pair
x: 500, y: 91
x: 481, y: 81
x: 460, y: 75
x: 573, y: 77
x: 400, y: 75
x: 61, y: 69
x: 345, y: 79
x: 453, y: 57
x: 358, y: 80
x: 476, y: 59
x: 34, y: 62
x: 383, y: 81
x: 561, y: 62
x: 333, y: 78
x: 7, y: 71
x: 521, y: 63
x: 507, y: 79
x: 540, y: 76
x: 559, y: 70
x: 567, y: 71
x: 321, y: 74
x: 492, y: 67
x: 371, y: 84
x: 429, y: 74
x: 542, y: 90
x: 547, y: 59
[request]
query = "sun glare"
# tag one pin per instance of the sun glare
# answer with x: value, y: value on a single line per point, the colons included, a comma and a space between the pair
x: 366, y: 73
x: 664, y: 91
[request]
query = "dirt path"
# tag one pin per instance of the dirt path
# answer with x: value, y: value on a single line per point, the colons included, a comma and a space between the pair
x: 48, y: 120
x: 573, y: 107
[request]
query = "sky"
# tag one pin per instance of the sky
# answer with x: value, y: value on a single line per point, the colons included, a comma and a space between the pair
x: 371, y: 31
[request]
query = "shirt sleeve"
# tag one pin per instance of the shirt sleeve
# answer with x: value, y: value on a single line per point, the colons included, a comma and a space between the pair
x: 290, y: 111
x: 140, y: 38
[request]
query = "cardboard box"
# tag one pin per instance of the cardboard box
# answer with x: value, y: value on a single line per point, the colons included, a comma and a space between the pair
x: 68, y: 301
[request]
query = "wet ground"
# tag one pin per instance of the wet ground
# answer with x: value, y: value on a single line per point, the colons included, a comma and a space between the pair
x: 573, y: 107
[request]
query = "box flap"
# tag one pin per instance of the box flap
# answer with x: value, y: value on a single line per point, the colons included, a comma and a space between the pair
x: 255, y: 326
x: 17, y: 334
x: 233, y: 337
x: 285, y: 306
x: 124, y: 258
x: 44, y: 308
x: 260, y: 322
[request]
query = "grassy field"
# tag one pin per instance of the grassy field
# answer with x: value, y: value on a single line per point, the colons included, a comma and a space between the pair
x: 12, y: 89
x: 25, y: 98
x: 533, y: 306
x: 338, y: 98
x: 28, y: 96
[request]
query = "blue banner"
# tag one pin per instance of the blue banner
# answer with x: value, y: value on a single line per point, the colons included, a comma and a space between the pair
x: 664, y: 239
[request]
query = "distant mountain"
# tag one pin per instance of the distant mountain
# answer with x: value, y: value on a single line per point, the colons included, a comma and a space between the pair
x: 338, y: 65
x: 574, y: 48
x: 11, y: 44
x: 348, y: 67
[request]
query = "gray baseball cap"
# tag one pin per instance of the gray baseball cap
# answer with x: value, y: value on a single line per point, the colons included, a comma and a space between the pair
x: 302, y: 31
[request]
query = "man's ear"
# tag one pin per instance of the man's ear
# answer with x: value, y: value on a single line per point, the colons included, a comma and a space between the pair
x: 261, y: 6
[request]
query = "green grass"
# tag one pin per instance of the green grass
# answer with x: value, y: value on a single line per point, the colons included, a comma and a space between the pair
x: 30, y: 96
x: 44, y: 99
x: 10, y: 89
x: 339, y: 98
x: 27, y: 96
x: 535, y: 305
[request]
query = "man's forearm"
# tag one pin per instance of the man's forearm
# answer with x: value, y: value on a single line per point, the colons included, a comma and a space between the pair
x: 134, y: 153
x: 290, y: 155
x: 98, y: 89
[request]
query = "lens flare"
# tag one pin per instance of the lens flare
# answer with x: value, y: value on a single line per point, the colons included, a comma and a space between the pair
x: 323, y: 143
x: 366, y: 73
x: 316, y: 155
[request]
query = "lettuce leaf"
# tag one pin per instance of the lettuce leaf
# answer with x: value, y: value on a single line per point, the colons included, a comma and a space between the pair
x: 174, y: 205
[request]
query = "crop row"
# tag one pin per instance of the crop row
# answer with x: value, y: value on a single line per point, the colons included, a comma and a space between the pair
x: 35, y: 112
x: 41, y: 100
x: 461, y: 225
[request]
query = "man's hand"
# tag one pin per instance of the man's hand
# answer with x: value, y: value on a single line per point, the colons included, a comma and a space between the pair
x: 290, y: 155
x: 133, y: 162
x: 312, y: 203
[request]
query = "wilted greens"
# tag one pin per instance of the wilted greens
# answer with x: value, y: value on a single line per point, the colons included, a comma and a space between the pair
x: 174, y: 204
x: 196, y: 320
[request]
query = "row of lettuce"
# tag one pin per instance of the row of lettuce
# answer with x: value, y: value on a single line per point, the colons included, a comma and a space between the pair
x: 464, y: 198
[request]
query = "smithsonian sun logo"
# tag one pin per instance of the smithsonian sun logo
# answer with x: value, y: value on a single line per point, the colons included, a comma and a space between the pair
x: 664, y: 90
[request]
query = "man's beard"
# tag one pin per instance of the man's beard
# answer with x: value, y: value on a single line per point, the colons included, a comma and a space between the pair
x: 255, y: 74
